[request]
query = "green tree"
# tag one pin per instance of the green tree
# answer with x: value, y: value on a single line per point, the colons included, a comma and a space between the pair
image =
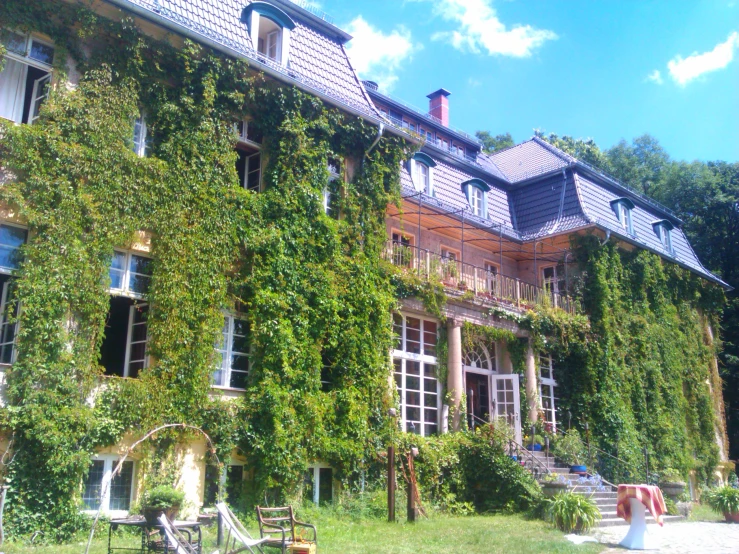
x: 584, y: 150
x: 641, y: 165
x: 492, y: 143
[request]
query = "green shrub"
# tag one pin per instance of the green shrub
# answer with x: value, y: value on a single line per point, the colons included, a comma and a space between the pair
x: 722, y: 499
x: 570, y: 449
x: 162, y: 498
x: 572, y: 512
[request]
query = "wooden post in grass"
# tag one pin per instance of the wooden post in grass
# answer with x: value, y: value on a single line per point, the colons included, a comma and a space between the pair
x: 391, y: 483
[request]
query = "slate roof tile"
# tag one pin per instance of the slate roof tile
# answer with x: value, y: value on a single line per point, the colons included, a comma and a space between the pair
x: 316, y: 60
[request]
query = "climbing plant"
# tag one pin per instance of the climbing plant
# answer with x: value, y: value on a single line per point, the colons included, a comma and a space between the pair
x: 312, y: 288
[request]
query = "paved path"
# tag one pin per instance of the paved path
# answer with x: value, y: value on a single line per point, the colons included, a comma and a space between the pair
x: 679, y: 538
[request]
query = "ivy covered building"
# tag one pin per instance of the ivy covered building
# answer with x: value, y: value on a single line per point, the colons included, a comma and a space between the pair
x: 183, y: 174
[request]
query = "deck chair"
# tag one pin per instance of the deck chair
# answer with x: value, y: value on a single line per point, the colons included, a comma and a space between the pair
x: 277, y: 525
x: 174, y: 540
x: 237, y: 537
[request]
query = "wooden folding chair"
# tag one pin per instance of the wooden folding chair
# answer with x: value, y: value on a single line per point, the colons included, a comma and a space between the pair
x: 175, y: 540
x: 237, y: 538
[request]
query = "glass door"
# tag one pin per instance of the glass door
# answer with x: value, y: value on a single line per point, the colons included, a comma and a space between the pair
x: 505, y: 401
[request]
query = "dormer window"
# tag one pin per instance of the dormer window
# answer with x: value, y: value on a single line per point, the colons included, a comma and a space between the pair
x: 663, y: 229
x: 622, y: 208
x: 269, y: 29
x: 26, y: 76
x: 475, y: 190
x: 421, y: 169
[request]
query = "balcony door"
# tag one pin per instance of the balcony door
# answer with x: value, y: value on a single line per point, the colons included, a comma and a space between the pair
x: 505, y: 401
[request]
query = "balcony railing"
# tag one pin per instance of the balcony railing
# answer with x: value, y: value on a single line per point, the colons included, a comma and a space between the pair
x: 480, y: 281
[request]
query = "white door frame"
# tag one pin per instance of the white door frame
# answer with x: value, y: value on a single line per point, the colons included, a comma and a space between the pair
x: 496, y: 380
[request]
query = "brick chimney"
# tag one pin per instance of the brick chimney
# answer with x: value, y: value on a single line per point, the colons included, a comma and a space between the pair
x: 439, y: 105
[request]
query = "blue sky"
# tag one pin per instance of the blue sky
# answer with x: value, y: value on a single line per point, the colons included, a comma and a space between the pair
x: 605, y: 69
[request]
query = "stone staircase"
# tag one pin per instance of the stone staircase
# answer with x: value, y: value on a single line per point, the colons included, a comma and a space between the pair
x: 604, y: 496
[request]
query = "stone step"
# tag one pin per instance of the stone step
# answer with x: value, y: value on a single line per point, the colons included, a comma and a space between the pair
x: 597, y: 495
x: 613, y: 521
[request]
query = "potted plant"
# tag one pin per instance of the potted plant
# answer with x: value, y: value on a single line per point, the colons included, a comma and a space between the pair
x: 161, y: 500
x: 552, y: 484
x: 724, y: 500
x: 572, y: 512
x: 535, y: 444
x: 671, y: 483
x: 571, y: 450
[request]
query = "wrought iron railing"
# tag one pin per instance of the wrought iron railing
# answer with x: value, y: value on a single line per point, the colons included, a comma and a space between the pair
x: 482, y: 282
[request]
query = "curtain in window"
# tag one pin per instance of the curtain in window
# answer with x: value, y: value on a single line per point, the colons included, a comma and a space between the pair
x: 12, y: 79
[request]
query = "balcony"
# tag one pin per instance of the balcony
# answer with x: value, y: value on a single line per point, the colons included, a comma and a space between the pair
x: 484, y: 284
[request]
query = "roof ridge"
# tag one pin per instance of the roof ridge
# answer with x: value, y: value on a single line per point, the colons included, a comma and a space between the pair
x: 508, y: 148
x: 553, y: 149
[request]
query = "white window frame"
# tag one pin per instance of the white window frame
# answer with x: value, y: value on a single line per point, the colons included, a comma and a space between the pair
x: 403, y: 356
x: 665, y: 238
x: 242, y: 130
x: 283, y: 42
x: 25, y: 59
x: 4, y: 322
x: 226, y: 352
x: 126, y: 279
x: 140, y: 136
x: 327, y: 195
x: 130, y: 342
x: 476, y: 199
x: 245, y: 184
x: 547, y: 379
x: 422, y: 183
x: 110, y: 460
x: 551, y: 284
x: 10, y: 270
x: 316, y: 469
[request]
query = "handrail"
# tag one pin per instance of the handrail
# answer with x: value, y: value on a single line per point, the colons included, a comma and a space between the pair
x: 467, y: 277
x: 511, y: 443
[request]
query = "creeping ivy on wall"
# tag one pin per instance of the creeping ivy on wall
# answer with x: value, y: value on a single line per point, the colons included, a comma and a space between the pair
x: 313, y: 289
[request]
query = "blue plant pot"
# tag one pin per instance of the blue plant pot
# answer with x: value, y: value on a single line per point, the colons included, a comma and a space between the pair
x: 514, y: 458
x: 534, y: 447
x: 579, y: 469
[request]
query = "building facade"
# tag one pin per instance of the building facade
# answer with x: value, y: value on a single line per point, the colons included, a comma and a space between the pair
x: 492, y: 230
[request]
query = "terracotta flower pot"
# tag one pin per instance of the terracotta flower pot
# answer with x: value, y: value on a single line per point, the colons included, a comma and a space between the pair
x: 151, y: 515
x: 731, y: 517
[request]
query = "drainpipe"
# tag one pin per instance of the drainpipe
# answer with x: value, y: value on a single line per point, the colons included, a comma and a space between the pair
x: 380, y: 131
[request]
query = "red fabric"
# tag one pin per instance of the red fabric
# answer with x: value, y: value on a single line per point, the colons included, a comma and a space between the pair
x: 648, y: 495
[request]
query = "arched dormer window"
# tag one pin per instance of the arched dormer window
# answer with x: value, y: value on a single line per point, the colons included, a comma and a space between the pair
x: 421, y: 170
x: 475, y: 190
x: 269, y: 29
x: 622, y: 208
x: 663, y: 229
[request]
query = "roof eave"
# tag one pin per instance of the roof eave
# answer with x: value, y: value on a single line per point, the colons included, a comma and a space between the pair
x: 253, y: 63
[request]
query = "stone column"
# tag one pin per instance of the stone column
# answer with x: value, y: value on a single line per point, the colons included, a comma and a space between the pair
x: 532, y: 388
x: 455, y: 381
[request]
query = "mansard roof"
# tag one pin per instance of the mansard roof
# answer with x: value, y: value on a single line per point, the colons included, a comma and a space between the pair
x: 318, y: 60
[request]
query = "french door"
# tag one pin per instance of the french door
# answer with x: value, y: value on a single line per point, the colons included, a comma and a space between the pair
x: 505, y: 401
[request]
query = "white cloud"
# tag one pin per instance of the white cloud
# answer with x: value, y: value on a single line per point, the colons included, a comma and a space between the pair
x: 685, y: 70
x: 655, y: 77
x: 480, y: 30
x: 376, y: 55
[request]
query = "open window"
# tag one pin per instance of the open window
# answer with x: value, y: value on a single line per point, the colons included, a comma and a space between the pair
x: 249, y: 169
x: 8, y: 321
x: 318, y: 484
x: 421, y: 170
x: 26, y: 78
x: 402, y: 249
x: 249, y: 133
x: 130, y: 274
x: 622, y: 207
x: 554, y: 279
x: 233, y: 347
x: 663, y: 229
x: 269, y: 30
x: 231, y: 478
x: 140, y: 136
x: 476, y: 192
x: 548, y: 390
x: 332, y: 192
x: 124, y: 351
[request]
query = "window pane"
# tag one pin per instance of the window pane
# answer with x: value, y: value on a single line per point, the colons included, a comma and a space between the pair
x: 120, y: 487
x: 41, y: 52
x: 234, y: 481
x: 413, y: 414
x: 412, y: 383
x: 412, y: 398
x: 93, y: 485
x: 238, y: 380
x: 325, y: 485
x: 11, y: 238
x: 139, y: 264
x: 429, y: 338
x: 412, y: 368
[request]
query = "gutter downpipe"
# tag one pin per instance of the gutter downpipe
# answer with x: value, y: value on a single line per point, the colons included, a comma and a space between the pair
x: 180, y: 29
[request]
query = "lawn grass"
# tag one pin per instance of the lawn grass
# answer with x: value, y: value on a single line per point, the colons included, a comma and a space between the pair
x: 511, y: 534
x: 701, y: 512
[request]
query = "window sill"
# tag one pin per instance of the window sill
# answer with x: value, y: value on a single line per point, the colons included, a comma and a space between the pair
x: 127, y: 294
x: 227, y: 389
